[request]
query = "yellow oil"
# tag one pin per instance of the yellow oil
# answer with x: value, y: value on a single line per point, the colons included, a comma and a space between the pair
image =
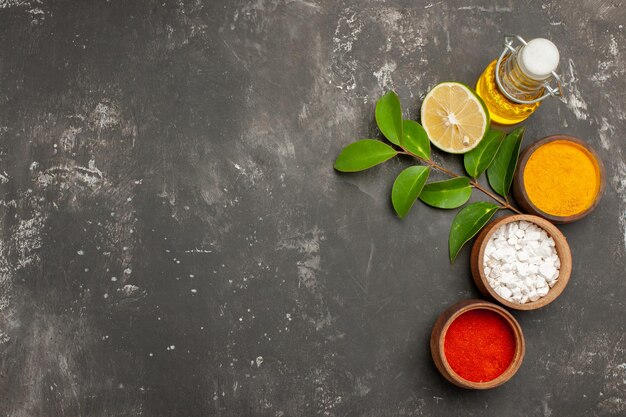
x: 501, y: 109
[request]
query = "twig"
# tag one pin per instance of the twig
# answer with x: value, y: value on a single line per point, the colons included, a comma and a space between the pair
x: 505, y: 204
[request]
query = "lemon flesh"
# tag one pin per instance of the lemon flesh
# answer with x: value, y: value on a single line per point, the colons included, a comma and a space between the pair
x: 454, y: 117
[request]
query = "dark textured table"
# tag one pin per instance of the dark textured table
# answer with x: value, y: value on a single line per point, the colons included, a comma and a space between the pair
x: 175, y: 242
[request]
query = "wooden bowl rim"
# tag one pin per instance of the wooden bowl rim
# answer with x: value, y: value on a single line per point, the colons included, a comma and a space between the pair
x: 520, y: 346
x: 563, y: 252
x: 519, y: 177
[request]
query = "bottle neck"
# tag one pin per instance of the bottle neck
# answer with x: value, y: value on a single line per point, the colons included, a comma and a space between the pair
x: 516, y: 83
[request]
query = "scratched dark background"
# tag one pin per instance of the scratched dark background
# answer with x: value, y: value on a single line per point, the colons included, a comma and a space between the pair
x: 174, y: 241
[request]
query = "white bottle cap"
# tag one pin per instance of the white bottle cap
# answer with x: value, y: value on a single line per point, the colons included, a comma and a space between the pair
x: 538, y: 59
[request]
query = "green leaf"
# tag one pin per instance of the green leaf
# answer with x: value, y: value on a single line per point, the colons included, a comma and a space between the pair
x: 415, y: 139
x: 389, y: 117
x: 467, y: 223
x: 363, y: 154
x: 447, y: 194
x: 500, y: 173
x: 478, y: 159
x: 407, y: 187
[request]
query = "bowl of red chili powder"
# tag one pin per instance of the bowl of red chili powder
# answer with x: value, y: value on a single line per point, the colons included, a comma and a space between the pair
x: 476, y: 344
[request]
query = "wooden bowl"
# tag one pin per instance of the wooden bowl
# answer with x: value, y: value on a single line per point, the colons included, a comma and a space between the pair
x: 438, y: 336
x: 562, y: 249
x: 519, y: 189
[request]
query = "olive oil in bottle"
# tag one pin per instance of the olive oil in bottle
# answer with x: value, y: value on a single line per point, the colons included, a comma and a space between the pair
x: 514, y: 85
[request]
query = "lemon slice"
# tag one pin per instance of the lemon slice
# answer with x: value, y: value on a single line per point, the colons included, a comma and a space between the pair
x: 454, y: 117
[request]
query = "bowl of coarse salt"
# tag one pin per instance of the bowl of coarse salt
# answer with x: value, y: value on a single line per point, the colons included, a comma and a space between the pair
x: 521, y: 261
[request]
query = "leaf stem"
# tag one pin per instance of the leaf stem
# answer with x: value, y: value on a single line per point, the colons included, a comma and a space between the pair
x: 505, y: 204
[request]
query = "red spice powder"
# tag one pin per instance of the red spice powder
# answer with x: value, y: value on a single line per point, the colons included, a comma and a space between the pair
x: 479, y: 345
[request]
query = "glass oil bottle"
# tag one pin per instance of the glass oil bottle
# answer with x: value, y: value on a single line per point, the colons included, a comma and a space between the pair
x: 514, y: 85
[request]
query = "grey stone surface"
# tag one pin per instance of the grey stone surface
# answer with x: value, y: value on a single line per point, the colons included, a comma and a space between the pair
x: 174, y: 241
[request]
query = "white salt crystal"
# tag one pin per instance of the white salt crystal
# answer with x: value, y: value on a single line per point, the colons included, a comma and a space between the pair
x: 546, y: 270
x: 503, y: 292
x: 532, y: 243
x: 532, y: 235
x: 521, y: 263
x: 522, y: 269
x: 498, y: 254
x: 506, y: 277
x: 543, y: 251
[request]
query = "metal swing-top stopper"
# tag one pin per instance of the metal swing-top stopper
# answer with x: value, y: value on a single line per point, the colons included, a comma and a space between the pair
x: 538, y: 60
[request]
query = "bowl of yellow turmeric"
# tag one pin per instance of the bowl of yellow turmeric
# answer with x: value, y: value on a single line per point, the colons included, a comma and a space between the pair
x: 559, y: 178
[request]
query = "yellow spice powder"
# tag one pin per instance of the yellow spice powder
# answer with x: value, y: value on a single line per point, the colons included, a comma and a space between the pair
x: 562, y: 178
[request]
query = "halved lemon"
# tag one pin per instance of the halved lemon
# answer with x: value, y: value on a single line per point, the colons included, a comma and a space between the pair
x: 454, y: 117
